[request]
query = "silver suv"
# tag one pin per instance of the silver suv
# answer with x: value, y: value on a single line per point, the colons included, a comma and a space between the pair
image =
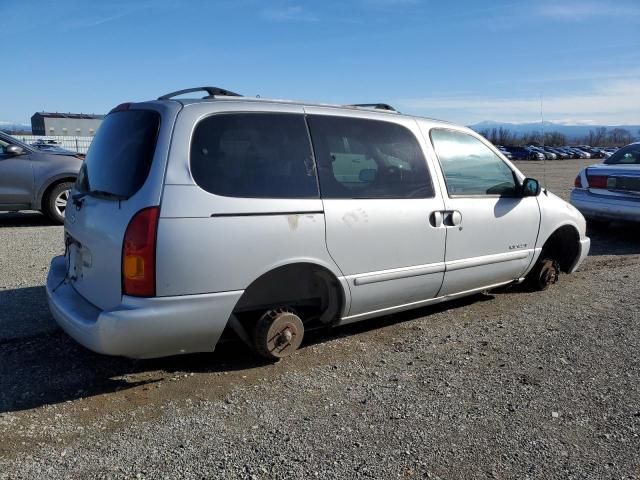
x: 31, y: 179
x: 262, y: 218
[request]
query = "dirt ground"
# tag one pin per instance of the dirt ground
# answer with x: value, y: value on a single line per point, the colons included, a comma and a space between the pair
x: 507, y: 385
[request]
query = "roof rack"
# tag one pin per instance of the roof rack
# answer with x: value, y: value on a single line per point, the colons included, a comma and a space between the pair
x: 377, y: 106
x: 212, y: 91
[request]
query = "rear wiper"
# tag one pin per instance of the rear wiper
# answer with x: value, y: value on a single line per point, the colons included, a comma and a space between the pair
x: 109, y: 195
x: 78, y: 197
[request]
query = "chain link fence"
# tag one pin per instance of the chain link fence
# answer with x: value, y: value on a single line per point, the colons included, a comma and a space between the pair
x: 75, y: 144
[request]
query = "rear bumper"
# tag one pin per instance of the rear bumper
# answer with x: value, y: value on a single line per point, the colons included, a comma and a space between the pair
x: 140, y: 327
x: 599, y: 207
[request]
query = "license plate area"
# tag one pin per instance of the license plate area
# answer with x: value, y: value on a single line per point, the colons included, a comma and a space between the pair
x: 626, y: 184
x: 78, y: 259
x: 74, y: 262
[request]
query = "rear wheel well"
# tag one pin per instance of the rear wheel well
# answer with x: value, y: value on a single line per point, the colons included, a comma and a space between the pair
x: 309, y: 289
x: 51, y: 186
x: 563, y: 246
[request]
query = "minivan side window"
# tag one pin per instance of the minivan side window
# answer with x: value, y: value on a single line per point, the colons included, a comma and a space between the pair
x: 362, y: 158
x: 470, y: 167
x: 254, y: 155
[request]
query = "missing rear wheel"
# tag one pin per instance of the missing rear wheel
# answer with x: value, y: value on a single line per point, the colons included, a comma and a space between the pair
x: 278, y: 333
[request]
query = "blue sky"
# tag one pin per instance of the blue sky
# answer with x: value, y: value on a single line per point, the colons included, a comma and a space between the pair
x: 464, y: 61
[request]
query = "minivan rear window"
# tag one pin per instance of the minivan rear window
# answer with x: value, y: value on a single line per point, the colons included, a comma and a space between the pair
x: 120, y: 155
x: 254, y: 155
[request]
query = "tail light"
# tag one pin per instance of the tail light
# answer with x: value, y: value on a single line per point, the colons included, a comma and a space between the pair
x: 120, y: 108
x: 139, y: 254
x: 597, y: 181
x: 578, y: 182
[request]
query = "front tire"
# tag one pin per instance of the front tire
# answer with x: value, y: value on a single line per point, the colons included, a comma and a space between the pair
x: 55, y: 202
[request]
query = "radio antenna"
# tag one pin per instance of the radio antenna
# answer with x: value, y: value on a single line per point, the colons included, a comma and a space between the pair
x: 544, y: 153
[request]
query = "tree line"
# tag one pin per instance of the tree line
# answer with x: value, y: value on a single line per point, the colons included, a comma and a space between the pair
x: 598, y: 137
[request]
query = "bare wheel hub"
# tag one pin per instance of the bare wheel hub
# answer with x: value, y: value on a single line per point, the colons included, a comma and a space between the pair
x: 284, y: 338
x: 549, y: 273
x: 278, y: 333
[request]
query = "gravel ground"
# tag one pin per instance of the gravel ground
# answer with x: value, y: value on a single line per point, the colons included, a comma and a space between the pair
x: 508, y: 385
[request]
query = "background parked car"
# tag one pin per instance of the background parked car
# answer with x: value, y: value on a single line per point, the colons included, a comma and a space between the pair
x: 547, y: 155
x: 581, y: 153
x: 32, y: 179
x: 53, y: 146
x: 560, y: 154
x: 610, y: 190
x: 505, y: 152
x: 522, y: 153
x: 555, y: 152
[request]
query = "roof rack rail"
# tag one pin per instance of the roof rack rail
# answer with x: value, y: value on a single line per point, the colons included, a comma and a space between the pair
x: 212, y: 91
x: 377, y: 106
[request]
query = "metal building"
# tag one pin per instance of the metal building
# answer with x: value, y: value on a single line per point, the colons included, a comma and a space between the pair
x: 65, y: 124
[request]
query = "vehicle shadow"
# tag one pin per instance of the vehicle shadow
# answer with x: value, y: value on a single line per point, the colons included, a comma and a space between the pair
x: 43, y: 366
x: 30, y: 218
x: 614, y: 239
x: 24, y: 314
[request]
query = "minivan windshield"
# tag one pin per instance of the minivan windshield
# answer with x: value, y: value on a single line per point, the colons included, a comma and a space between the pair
x: 629, y: 155
x: 120, y: 155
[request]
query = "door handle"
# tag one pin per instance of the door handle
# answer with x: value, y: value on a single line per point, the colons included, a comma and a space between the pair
x: 456, y: 218
x: 445, y: 218
x: 435, y: 219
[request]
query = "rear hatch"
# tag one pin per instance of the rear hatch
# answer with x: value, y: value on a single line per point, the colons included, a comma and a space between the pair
x: 122, y: 174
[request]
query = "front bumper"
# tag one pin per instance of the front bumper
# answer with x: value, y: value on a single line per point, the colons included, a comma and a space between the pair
x: 600, y: 207
x: 585, y: 245
x: 140, y: 327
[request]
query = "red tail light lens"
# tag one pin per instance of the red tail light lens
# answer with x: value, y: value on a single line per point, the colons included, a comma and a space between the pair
x: 578, y: 182
x: 139, y: 254
x: 597, y: 181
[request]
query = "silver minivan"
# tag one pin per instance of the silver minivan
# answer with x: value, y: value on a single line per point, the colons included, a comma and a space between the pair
x: 261, y: 219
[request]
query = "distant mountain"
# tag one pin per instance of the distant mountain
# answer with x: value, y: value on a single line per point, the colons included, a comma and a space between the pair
x: 571, y: 131
x: 14, y: 127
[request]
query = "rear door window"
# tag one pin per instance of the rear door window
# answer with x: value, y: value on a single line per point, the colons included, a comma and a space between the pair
x: 120, y: 155
x: 254, y: 155
x: 362, y: 158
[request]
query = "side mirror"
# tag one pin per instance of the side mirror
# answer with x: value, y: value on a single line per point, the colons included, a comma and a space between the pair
x: 14, y: 150
x: 530, y: 187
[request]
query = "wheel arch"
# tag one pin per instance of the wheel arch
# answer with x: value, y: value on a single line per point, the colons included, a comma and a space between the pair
x: 52, y: 182
x: 299, y: 280
x: 563, y: 245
